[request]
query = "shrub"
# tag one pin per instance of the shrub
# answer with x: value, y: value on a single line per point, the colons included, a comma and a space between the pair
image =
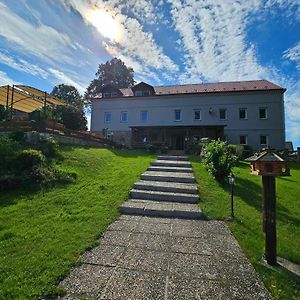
x: 29, y: 159
x: 18, y: 136
x: 8, y: 150
x: 9, y: 182
x: 151, y: 148
x: 236, y: 150
x: 49, y: 147
x: 218, y: 159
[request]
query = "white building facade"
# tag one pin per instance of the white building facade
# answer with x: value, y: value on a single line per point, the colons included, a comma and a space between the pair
x: 248, y: 113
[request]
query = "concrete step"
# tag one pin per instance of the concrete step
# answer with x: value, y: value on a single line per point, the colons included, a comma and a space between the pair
x: 164, y: 196
x: 161, y: 209
x: 170, y: 169
x: 174, y: 187
x: 172, y: 163
x: 172, y: 157
x: 168, y: 177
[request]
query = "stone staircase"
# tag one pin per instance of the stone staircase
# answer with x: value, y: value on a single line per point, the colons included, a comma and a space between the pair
x: 166, y: 189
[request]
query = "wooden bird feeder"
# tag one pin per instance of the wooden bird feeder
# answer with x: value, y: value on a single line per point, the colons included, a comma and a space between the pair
x: 269, y: 164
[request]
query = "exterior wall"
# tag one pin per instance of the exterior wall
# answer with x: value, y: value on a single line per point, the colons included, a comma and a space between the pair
x: 161, y: 113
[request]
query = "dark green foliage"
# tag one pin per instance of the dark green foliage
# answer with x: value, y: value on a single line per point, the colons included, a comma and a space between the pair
x: 49, y: 147
x: 29, y: 168
x: 151, y: 148
x: 3, y: 113
x: 218, y: 159
x: 28, y: 159
x: 72, y: 116
x: 18, y: 136
x: 113, y: 72
x: 8, y: 149
x: 69, y: 94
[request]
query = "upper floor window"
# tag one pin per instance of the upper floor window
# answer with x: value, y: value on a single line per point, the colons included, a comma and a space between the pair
x: 144, y: 116
x: 177, y: 115
x: 107, y: 117
x: 142, y: 93
x: 263, y: 140
x: 110, y: 94
x: 197, y: 114
x: 243, y: 113
x: 223, y: 113
x: 263, y: 114
x: 243, y: 139
x: 124, y: 116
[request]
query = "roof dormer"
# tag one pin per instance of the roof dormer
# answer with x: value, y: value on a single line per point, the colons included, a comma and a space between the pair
x: 143, y: 89
x: 110, y: 91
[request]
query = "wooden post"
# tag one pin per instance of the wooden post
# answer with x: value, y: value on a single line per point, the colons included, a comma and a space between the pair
x: 12, y: 102
x: 7, y: 100
x: 269, y: 218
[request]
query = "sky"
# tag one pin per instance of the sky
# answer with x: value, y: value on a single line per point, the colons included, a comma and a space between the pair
x: 47, y: 42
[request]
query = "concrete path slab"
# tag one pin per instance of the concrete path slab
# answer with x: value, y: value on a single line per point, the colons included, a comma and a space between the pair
x: 170, y: 169
x: 160, y: 258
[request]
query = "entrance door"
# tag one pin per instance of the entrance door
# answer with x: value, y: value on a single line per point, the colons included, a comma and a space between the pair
x: 178, y: 142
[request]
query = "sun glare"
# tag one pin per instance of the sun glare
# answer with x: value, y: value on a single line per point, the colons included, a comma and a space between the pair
x: 104, y: 23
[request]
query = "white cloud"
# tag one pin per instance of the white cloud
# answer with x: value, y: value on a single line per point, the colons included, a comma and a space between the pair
x: 5, y: 79
x: 133, y: 42
x: 42, y: 41
x: 213, y: 39
x: 22, y: 65
x: 293, y: 54
x: 63, y: 78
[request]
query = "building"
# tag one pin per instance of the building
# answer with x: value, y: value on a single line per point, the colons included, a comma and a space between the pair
x: 248, y: 113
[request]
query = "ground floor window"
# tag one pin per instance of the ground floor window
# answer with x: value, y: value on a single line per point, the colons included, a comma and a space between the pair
x: 107, y: 117
x: 197, y: 114
x: 243, y: 139
x: 144, y: 116
x: 263, y: 140
x: 124, y: 116
x: 223, y: 113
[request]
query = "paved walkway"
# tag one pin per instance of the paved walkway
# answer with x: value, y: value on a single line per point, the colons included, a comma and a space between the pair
x: 142, y: 257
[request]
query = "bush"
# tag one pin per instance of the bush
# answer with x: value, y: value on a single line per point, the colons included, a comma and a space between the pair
x: 29, y: 159
x: 18, y: 136
x: 8, y: 150
x: 49, y: 147
x: 236, y: 150
x: 9, y: 182
x: 219, y: 159
x: 151, y: 148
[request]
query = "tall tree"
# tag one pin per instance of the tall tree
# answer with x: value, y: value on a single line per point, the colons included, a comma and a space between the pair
x: 72, y: 116
x: 113, y: 72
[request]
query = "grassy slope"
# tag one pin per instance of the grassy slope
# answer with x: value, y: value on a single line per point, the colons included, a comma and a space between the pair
x: 43, y: 233
x: 247, y: 228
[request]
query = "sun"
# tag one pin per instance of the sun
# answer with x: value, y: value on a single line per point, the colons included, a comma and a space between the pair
x: 105, y: 23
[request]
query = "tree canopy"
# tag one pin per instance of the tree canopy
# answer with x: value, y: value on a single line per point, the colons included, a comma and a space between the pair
x: 113, y: 72
x: 72, y: 116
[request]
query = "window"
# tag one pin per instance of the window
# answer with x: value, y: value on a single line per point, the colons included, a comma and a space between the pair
x: 107, y: 117
x: 197, y: 114
x: 263, y: 113
x: 223, y: 113
x: 263, y: 139
x: 124, y: 116
x: 243, y: 139
x: 144, y: 116
x: 110, y: 94
x: 138, y: 93
x: 243, y: 113
x: 177, y: 115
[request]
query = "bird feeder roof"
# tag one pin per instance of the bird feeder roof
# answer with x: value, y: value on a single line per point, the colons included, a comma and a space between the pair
x: 266, y: 155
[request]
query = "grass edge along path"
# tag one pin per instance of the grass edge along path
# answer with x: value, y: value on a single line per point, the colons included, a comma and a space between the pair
x: 43, y: 233
x: 247, y: 227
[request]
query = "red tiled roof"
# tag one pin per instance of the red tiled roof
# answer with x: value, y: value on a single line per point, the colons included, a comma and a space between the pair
x: 203, y: 88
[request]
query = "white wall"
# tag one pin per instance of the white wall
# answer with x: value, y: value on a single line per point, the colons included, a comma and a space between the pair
x: 161, y: 113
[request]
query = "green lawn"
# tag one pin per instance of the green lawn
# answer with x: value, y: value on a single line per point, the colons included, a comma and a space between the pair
x: 247, y: 227
x: 42, y: 233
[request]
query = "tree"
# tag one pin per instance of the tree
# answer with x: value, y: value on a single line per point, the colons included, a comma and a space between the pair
x: 113, y: 72
x: 72, y: 115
